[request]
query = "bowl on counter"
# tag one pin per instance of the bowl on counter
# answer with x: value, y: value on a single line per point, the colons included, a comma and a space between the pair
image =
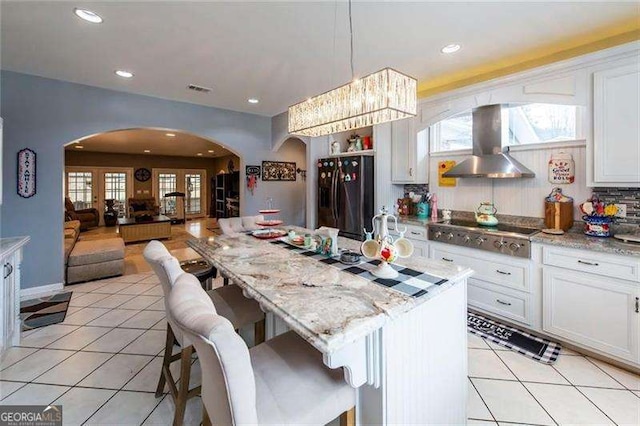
x: 350, y: 257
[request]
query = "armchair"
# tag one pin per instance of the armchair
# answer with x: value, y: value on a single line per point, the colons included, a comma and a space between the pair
x: 89, y: 218
x: 143, y: 207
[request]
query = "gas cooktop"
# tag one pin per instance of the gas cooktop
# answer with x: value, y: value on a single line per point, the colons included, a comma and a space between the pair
x: 504, y: 239
x: 498, y: 228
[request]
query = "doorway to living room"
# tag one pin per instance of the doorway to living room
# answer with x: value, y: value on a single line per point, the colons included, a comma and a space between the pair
x: 153, y: 183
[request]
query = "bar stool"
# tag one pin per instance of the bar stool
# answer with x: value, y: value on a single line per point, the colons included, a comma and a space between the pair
x: 281, y: 381
x: 229, y: 301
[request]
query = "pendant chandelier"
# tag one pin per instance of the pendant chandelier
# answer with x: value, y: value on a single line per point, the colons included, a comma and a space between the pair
x: 383, y: 96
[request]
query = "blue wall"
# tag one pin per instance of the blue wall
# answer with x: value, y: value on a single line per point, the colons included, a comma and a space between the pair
x: 44, y: 115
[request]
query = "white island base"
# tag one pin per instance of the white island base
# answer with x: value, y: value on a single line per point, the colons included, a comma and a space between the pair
x: 414, y: 369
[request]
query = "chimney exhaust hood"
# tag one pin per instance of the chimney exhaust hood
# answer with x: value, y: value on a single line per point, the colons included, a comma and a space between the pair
x: 489, y: 160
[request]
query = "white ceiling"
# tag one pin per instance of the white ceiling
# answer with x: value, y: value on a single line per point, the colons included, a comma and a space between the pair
x: 135, y: 141
x: 279, y: 53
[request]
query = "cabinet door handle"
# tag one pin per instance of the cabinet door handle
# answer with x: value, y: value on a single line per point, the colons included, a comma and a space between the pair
x: 502, y: 302
x: 637, y: 305
x: 8, y: 269
x: 410, y: 171
x: 415, y: 233
x: 502, y: 272
x: 587, y: 263
x: 447, y: 260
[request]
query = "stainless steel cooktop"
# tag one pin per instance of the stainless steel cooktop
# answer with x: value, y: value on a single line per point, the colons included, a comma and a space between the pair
x: 505, y: 239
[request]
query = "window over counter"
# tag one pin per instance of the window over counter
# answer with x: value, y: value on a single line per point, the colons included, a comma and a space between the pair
x: 526, y: 124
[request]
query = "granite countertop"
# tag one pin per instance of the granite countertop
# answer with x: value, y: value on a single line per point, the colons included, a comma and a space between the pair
x: 328, y: 307
x: 578, y: 240
x: 11, y: 244
x: 415, y: 220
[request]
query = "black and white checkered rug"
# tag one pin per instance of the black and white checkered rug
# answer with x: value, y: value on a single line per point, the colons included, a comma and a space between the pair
x: 520, y: 341
x: 409, y: 281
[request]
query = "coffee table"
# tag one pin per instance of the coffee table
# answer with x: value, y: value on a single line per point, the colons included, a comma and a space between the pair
x: 156, y: 228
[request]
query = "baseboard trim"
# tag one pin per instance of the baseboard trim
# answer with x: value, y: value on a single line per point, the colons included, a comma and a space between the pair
x: 43, y: 290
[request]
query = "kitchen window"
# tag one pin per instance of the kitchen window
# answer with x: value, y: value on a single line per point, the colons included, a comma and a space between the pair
x: 527, y: 124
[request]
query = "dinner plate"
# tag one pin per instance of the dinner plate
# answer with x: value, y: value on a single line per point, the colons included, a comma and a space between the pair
x: 267, y: 234
x: 269, y: 211
x: 291, y: 243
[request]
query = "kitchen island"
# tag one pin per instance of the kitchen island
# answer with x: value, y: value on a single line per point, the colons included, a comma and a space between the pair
x: 406, y: 355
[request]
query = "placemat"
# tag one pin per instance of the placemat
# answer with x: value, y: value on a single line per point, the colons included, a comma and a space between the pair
x: 409, y: 281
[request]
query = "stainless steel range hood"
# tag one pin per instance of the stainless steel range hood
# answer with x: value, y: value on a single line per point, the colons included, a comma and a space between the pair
x: 489, y: 160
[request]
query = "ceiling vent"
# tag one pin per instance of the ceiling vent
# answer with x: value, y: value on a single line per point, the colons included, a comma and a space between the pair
x: 197, y: 88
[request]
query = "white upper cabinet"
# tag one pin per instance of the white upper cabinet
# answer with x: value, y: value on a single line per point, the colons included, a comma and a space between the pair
x: 409, y: 153
x: 616, y: 125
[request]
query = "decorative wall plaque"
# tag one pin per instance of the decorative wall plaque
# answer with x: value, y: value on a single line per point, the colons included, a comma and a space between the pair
x: 253, y: 174
x: 26, y: 173
x: 562, y: 168
x: 444, y: 167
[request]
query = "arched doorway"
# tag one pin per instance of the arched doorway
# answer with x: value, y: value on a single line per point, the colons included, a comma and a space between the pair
x: 131, y: 174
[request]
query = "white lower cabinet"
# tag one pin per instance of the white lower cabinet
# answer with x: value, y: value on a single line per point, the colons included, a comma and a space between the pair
x: 420, y: 248
x: 497, y: 300
x: 416, y: 234
x: 500, y: 286
x: 10, y: 259
x: 597, y: 312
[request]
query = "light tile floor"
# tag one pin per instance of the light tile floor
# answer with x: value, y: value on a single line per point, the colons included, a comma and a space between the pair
x: 102, y: 364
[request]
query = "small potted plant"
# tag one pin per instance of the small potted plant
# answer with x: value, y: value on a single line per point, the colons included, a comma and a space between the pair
x: 598, y: 217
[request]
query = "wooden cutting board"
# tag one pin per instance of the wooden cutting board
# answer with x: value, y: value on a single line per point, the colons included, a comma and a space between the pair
x: 558, y: 215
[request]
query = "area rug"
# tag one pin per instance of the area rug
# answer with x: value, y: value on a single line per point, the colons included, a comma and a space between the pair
x: 527, y: 344
x: 36, y: 313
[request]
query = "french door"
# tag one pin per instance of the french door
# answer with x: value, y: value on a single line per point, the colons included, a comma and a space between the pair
x: 190, y: 182
x: 89, y: 187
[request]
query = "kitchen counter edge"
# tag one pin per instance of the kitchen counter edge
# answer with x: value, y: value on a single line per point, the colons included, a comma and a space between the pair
x: 9, y: 245
x: 580, y: 241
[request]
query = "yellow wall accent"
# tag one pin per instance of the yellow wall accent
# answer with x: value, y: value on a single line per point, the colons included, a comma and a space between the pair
x: 623, y: 32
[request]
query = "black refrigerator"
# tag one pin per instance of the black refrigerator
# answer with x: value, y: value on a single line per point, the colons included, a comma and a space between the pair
x: 345, y: 194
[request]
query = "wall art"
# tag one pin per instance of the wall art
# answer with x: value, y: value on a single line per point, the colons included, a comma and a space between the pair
x: 253, y: 175
x: 562, y: 168
x: 26, y: 173
x: 444, y: 167
x: 278, y: 171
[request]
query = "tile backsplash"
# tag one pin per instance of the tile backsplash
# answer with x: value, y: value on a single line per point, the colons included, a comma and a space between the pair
x: 628, y: 196
x: 416, y: 188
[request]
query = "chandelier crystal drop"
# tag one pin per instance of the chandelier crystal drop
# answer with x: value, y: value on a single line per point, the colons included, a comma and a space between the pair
x: 383, y: 96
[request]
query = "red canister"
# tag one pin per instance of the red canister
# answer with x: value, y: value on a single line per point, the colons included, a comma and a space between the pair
x: 366, y: 142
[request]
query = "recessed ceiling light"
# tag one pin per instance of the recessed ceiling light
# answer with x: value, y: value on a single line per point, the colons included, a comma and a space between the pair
x: 210, y: 151
x: 79, y: 146
x: 124, y: 73
x: 171, y: 135
x: 253, y: 101
x: 198, y: 154
x: 88, y: 15
x: 450, y: 48
x: 147, y: 151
